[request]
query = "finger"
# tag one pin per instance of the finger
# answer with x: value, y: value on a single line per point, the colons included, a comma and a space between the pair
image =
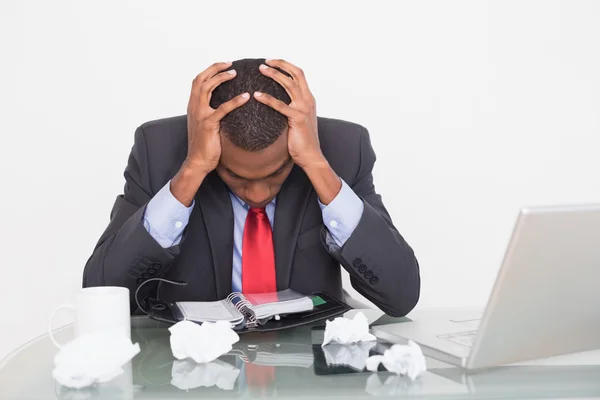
x: 296, y: 73
x: 275, y: 104
x: 290, y: 86
x: 207, y: 88
x: 205, y: 75
x: 213, y: 70
x: 229, y: 106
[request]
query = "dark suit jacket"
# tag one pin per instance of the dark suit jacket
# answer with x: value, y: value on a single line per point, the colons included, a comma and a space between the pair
x: 382, y: 266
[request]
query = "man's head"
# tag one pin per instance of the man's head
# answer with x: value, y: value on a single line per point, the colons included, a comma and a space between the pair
x: 254, y: 155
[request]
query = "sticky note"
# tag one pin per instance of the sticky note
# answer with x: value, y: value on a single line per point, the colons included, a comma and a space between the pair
x: 317, y: 301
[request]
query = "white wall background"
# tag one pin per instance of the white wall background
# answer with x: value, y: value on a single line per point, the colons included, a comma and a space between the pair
x: 475, y: 109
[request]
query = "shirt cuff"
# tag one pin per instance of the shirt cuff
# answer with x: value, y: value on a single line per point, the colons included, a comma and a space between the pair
x: 343, y: 214
x: 166, y: 218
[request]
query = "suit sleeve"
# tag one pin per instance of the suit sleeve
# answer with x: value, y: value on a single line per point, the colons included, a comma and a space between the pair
x: 381, y: 264
x: 127, y: 254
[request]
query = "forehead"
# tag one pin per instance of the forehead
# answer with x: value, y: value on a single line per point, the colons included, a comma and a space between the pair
x: 254, y: 164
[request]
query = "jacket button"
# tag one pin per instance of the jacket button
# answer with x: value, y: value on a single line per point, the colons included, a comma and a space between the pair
x: 151, y: 271
x: 157, y: 266
x: 357, y: 262
x: 145, y: 275
x: 362, y: 269
x: 373, y: 280
x: 369, y: 274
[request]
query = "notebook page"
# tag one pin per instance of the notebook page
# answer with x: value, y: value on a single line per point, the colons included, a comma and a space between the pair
x: 284, y: 360
x: 283, y: 302
x: 208, y: 311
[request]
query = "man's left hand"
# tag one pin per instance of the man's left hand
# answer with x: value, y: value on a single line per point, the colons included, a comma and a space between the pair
x: 303, y: 138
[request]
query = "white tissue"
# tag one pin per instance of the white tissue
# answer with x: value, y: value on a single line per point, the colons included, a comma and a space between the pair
x: 351, y: 355
x: 190, y: 375
x: 400, y: 359
x: 93, y: 358
x: 345, y: 331
x: 202, y: 343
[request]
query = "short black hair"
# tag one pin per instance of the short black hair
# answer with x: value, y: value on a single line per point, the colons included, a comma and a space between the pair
x: 253, y: 126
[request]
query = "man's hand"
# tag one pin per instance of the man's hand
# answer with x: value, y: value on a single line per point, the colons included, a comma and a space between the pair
x: 204, y: 142
x: 303, y: 137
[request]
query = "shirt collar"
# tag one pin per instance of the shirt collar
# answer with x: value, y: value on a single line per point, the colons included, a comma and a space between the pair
x: 243, y: 203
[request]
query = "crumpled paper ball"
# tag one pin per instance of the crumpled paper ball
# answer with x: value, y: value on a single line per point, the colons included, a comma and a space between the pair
x: 93, y: 358
x: 394, y: 385
x: 350, y: 355
x: 400, y: 359
x: 345, y: 331
x: 187, y: 375
x: 202, y: 343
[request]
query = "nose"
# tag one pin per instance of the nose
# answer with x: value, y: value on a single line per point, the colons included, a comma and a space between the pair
x: 257, y: 194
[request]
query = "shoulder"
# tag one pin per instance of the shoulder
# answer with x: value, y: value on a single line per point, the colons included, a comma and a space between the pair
x: 346, y: 146
x: 336, y: 129
x: 163, y: 143
x: 163, y: 130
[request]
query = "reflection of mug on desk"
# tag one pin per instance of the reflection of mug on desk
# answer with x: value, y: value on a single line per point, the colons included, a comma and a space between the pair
x: 96, y: 309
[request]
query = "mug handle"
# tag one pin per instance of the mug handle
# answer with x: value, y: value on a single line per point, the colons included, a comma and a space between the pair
x: 69, y: 306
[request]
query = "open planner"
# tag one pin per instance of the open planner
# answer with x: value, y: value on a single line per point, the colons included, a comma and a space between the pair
x: 249, y: 309
x: 251, y: 312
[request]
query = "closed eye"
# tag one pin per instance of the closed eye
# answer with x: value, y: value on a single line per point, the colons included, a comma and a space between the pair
x: 277, y: 172
x: 234, y: 176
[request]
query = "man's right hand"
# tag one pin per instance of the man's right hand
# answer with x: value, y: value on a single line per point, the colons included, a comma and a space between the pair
x: 204, y: 142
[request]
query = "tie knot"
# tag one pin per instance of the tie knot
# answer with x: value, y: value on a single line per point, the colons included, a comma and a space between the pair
x: 260, y: 212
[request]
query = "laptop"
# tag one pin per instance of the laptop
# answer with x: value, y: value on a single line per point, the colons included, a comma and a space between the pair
x: 545, y: 301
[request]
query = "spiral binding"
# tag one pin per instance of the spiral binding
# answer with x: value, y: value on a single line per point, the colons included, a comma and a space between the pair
x: 233, y: 295
x: 244, y: 307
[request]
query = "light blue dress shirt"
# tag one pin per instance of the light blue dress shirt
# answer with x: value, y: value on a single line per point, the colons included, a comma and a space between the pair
x: 166, y: 218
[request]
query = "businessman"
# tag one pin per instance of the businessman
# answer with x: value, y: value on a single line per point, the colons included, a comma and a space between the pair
x: 252, y: 192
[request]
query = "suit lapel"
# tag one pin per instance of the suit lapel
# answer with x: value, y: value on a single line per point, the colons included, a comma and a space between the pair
x: 289, y: 211
x: 213, y: 198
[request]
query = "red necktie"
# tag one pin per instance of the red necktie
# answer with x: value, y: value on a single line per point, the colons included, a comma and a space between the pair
x: 258, y: 257
x: 260, y: 377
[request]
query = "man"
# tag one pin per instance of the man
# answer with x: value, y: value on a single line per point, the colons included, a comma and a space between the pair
x: 252, y: 192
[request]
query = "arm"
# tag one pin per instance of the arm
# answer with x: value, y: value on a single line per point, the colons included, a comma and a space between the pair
x: 143, y: 236
x: 381, y: 264
x: 362, y: 238
x: 126, y: 253
x: 138, y: 243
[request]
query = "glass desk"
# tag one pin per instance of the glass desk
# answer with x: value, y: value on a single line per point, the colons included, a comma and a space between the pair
x: 287, y: 364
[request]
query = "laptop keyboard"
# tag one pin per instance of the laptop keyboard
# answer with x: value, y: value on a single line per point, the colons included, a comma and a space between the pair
x: 462, y: 338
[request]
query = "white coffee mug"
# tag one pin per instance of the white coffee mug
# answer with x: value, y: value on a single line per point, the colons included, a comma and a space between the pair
x: 98, y: 309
